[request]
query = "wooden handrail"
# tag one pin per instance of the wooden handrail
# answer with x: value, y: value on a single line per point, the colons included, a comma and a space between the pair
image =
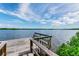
x: 46, y: 50
x: 40, y: 37
x: 42, y: 34
x: 3, y: 48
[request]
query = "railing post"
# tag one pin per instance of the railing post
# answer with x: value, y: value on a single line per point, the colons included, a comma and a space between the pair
x: 5, y: 50
x: 49, y: 43
x: 31, y: 46
x: 0, y: 52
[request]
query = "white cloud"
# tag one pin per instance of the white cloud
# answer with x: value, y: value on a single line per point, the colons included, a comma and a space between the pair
x: 57, y: 23
x: 55, y: 9
x: 23, y: 8
x: 7, y: 26
x: 43, y: 21
x: 52, y: 10
x: 27, y: 13
x: 23, y: 12
x: 13, y: 14
x: 69, y: 18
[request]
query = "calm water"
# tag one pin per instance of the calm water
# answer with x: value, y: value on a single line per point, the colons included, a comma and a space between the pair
x: 58, y: 36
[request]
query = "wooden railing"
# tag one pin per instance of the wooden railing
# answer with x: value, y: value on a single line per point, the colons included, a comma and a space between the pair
x: 42, y: 48
x: 43, y: 39
x: 2, y: 48
x: 40, y: 34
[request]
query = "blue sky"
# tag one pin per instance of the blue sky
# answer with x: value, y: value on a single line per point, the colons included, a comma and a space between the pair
x: 39, y: 15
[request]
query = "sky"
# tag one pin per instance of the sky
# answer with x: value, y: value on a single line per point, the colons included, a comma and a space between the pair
x: 39, y: 15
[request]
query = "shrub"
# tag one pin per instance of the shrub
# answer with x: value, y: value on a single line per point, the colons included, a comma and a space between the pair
x: 70, y: 48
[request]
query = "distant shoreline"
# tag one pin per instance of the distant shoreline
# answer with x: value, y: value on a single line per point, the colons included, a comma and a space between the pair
x: 36, y: 29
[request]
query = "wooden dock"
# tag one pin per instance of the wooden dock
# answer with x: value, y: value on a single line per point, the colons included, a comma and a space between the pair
x: 39, y: 45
